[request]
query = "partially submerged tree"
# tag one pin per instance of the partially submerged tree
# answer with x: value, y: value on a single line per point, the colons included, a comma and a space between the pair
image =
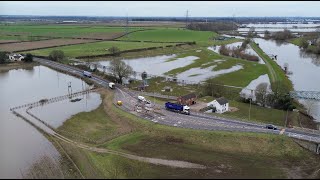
x: 261, y: 94
x: 56, y: 55
x: 120, y: 69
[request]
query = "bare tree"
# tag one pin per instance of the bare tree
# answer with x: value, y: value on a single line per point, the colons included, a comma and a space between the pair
x: 120, y: 69
x: 309, y: 103
x: 261, y: 93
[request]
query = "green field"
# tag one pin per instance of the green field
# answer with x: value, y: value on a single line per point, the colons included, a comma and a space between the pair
x: 97, y: 48
x: 172, y: 35
x: 225, y: 154
x: 61, y: 31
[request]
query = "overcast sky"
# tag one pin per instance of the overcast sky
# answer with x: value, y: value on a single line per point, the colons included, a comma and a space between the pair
x: 161, y: 8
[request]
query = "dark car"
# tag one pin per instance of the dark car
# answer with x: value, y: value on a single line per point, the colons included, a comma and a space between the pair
x: 270, y: 126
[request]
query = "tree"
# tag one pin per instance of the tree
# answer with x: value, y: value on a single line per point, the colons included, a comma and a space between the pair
x: 114, y: 50
x: 120, y: 69
x: 261, y: 93
x: 56, y: 55
x: 267, y: 34
x: 3, y: 57
x: 304, y: 43
x: 28, y: 58
x: 213, y: 88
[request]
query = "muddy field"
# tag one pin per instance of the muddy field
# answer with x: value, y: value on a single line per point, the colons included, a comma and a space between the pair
x: 11, y: 47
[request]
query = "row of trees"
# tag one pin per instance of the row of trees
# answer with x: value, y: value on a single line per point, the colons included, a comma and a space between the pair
x: 280, y: 35
x: 305, y: 45
x: 238, y: 52
x: 212, y: 26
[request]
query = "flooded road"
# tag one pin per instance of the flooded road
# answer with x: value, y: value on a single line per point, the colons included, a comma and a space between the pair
x: 305, y: 67
x: 23, y: 148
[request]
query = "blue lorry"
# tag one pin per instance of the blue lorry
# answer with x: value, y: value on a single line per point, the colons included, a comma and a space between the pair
x: 184, y: 109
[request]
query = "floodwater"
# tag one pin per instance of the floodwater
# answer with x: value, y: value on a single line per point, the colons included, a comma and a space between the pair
x: 248, y: 50
x: 22, y: 146
x: 305, y: 67
x: 198, y: 74
x: 281, y: 27
x: 253, y: 84
x: 156, y: 65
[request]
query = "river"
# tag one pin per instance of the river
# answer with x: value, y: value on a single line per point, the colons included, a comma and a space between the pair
x: 305, y: 68
x: 22, y: 146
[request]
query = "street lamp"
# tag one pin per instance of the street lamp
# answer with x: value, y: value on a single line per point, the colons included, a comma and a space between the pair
x: 250, y: 103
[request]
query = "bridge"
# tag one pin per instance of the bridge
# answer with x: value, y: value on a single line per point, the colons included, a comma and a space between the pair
x: 314, y: 95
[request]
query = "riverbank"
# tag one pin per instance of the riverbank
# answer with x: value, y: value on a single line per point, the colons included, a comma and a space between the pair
x: 17, y: 65
x: 273, y: 156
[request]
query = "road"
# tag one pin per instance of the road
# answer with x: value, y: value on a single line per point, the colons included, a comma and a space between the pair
x: 194, y: 121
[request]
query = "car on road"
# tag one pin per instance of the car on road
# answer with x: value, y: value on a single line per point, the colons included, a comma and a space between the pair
x: 270, y: 126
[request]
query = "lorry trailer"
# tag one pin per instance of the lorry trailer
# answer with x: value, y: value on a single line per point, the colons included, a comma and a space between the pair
x: 184, y: 109
x: 87, y: 74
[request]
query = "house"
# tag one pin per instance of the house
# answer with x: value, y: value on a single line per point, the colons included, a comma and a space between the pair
x: 220, y: 105
x: 188, y: 99
x: 15, y: 57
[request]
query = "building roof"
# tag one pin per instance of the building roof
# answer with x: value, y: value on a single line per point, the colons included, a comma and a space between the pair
x: 189, y: 96
x: 222, y: 100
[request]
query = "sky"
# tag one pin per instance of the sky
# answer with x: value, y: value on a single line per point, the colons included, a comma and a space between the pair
x: 162, y: 8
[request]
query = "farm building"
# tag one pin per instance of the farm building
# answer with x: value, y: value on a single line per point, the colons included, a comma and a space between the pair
x: 15, y: 57
x: 188, y: 99
x: 220, y: 105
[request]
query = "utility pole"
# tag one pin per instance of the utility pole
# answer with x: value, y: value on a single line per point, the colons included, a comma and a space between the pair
x: 285, y: 124
x: 187, y: 17
x: 250, y: 103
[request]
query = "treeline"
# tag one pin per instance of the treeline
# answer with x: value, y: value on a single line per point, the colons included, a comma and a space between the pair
x: 280, y: 35
x: 238, y: 52
x: 213, y: 26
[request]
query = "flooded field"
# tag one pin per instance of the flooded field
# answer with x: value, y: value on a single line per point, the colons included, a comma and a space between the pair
x: 198, y: 74
x: 253, y: 85
x: 23, y: 148
x: 156, y: 65
x: 248, y: 50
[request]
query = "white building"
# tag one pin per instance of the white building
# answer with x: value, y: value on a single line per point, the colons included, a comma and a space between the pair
x: 15, y: 57
x: 220, y: 105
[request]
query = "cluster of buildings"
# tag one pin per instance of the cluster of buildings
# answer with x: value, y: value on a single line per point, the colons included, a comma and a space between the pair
x: 219, y: 105
x: 15, y: 57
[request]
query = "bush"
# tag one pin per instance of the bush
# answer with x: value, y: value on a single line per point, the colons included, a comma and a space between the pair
x: 56, y: 55
x: 114, y: 50
x: 213, y: 26
x: 28, y: 58
x: 3, y: 57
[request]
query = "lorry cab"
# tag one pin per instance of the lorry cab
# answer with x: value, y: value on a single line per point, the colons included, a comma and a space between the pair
x: 186, y: 109
x: 111, y: 85
x: 141, y: 98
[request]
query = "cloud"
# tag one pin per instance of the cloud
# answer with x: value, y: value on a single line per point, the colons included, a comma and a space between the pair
x: 161, y: 8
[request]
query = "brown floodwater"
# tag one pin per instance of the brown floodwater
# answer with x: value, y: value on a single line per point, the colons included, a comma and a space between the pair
x: 22, y: 147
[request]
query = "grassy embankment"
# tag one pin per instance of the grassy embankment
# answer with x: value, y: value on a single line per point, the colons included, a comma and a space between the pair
x: 275, y: 71
x: 226, y: 155
x: 297, y: 41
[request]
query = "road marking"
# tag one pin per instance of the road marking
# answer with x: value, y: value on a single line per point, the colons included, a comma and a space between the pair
x: 282, y: 131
